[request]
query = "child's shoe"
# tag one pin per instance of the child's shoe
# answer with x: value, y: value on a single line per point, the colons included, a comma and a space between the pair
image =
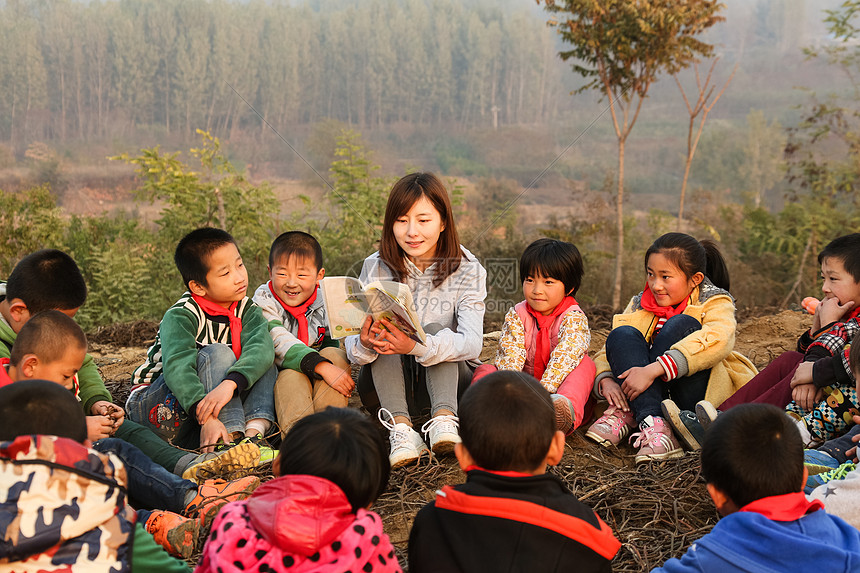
x: 612, y: 427
x: 706, y: 413
x: 816, y: 480
x: 684, y: 424
x: 212, y: 494
x: 443, y: 433
x: 818, y: 462
x: 563, y: 413
x: 234, y: 461
x: 177, y: 534
x: 406, y: 444
x: 267, y: 452
x: 656, y: 441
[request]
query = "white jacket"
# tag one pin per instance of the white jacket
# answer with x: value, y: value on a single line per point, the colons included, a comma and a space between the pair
x: 456, y: 305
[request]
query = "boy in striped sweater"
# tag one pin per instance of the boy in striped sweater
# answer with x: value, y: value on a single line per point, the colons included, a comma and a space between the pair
x: 209, y: 375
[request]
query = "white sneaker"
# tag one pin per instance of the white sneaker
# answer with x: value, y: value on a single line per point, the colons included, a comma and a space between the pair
x: 443, y: 432
x: 407, y: 447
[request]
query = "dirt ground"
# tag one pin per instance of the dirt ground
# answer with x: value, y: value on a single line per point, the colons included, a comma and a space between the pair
x: 656, y: 510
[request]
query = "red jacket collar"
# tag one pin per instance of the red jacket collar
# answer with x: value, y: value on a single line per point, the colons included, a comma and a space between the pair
x: 787, y: 507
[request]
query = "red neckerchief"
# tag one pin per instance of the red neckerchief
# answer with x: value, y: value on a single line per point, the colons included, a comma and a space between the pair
x: 297, y: 312
x: 5, y: 379
x: 542, y: 345
x: 504, y: 473
x: 649, y: 303
x: 213, y: 309
x: 786, y: 507
x: 854, y: 313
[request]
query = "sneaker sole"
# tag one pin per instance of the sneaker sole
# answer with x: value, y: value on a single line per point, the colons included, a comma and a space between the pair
x: 182, y: 539
x: 237, y: 462
x: 660, y: 457
x: 443, y: 447
x: 206, y: 518
x: 605, y: 442
x: 673, y: 414
x: 410, y: 460
x: 706, y: 413
x: 563, y: 416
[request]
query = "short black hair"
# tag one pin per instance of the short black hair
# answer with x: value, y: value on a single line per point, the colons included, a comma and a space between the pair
x: 47, y: 279
x: 342, y: 446
x: 753, y: 451
x: 551, y: 258
x: 507, y: 421
x: 40, y: 407
x: 847, y: 249
x: 48, y: 335
x: 298, y: 243
x: 192, y: 252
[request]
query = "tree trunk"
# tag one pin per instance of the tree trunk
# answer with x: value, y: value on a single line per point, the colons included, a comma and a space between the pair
x: 619, y: 205
x: 689, y: 162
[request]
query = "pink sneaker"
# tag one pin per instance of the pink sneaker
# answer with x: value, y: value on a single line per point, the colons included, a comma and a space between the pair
x: 656, y: 441
x: 612, y: 427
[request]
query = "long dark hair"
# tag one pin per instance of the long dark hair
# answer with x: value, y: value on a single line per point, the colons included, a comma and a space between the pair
x: 692, y: 256
x: 404, y: 194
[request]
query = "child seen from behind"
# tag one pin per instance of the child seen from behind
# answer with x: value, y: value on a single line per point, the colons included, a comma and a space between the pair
x: 510, y: 515
x: 547, y: 334
x: 752, y: 461
x: 64, y: 504
x: 674, y: 340
x: 51, y: 347
x: 314, y: 516
x: 313, y: 372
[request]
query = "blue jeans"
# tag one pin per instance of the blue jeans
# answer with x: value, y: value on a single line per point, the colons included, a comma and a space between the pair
x: 150, y: 486
x: 157, y: 408
x: 626, y: 347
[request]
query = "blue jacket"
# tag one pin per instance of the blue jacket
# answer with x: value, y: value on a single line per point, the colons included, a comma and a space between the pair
x: 750, y: 541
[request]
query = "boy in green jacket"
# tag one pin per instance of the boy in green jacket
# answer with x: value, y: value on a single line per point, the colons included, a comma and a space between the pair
x: 209, y: 376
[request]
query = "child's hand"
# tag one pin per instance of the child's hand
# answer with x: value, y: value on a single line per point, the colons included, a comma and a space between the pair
x: 611, y: 390
x: 211, y: 432
x: 111, y: 410
x: 806, y: 396
x: 830, y: 310
x: 639, y: 378
x: 99, y: 427
x: 211, y: 404
x: 803, y: 374
x: 392, y: 340
x: 338, y: 379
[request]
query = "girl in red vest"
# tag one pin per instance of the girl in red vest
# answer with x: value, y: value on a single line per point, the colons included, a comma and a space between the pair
x: 547, y: 334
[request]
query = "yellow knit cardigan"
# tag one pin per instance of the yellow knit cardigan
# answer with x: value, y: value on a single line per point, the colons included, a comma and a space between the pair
x: 709, y: 347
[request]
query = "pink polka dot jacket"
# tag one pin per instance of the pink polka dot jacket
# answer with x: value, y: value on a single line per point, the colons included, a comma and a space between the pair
x: 297, y: 524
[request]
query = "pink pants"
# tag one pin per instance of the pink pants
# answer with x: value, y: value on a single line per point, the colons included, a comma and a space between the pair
x: 576, y: 387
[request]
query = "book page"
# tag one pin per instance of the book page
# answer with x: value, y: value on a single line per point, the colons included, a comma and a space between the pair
x: 346, y: 305
x: 396, y: 307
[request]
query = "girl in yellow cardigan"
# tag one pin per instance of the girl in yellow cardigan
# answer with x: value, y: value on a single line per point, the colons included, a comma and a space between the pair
x: 674, y: 340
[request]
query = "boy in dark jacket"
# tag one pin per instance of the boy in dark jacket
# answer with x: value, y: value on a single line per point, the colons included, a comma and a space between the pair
x: 509, y: 515
x: 752, y: 460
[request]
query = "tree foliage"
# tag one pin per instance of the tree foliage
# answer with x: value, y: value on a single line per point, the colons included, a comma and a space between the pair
x: 620, y: 47
x: 95, y: 70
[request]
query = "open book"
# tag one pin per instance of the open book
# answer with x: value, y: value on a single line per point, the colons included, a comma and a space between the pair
x: 348, y: 302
